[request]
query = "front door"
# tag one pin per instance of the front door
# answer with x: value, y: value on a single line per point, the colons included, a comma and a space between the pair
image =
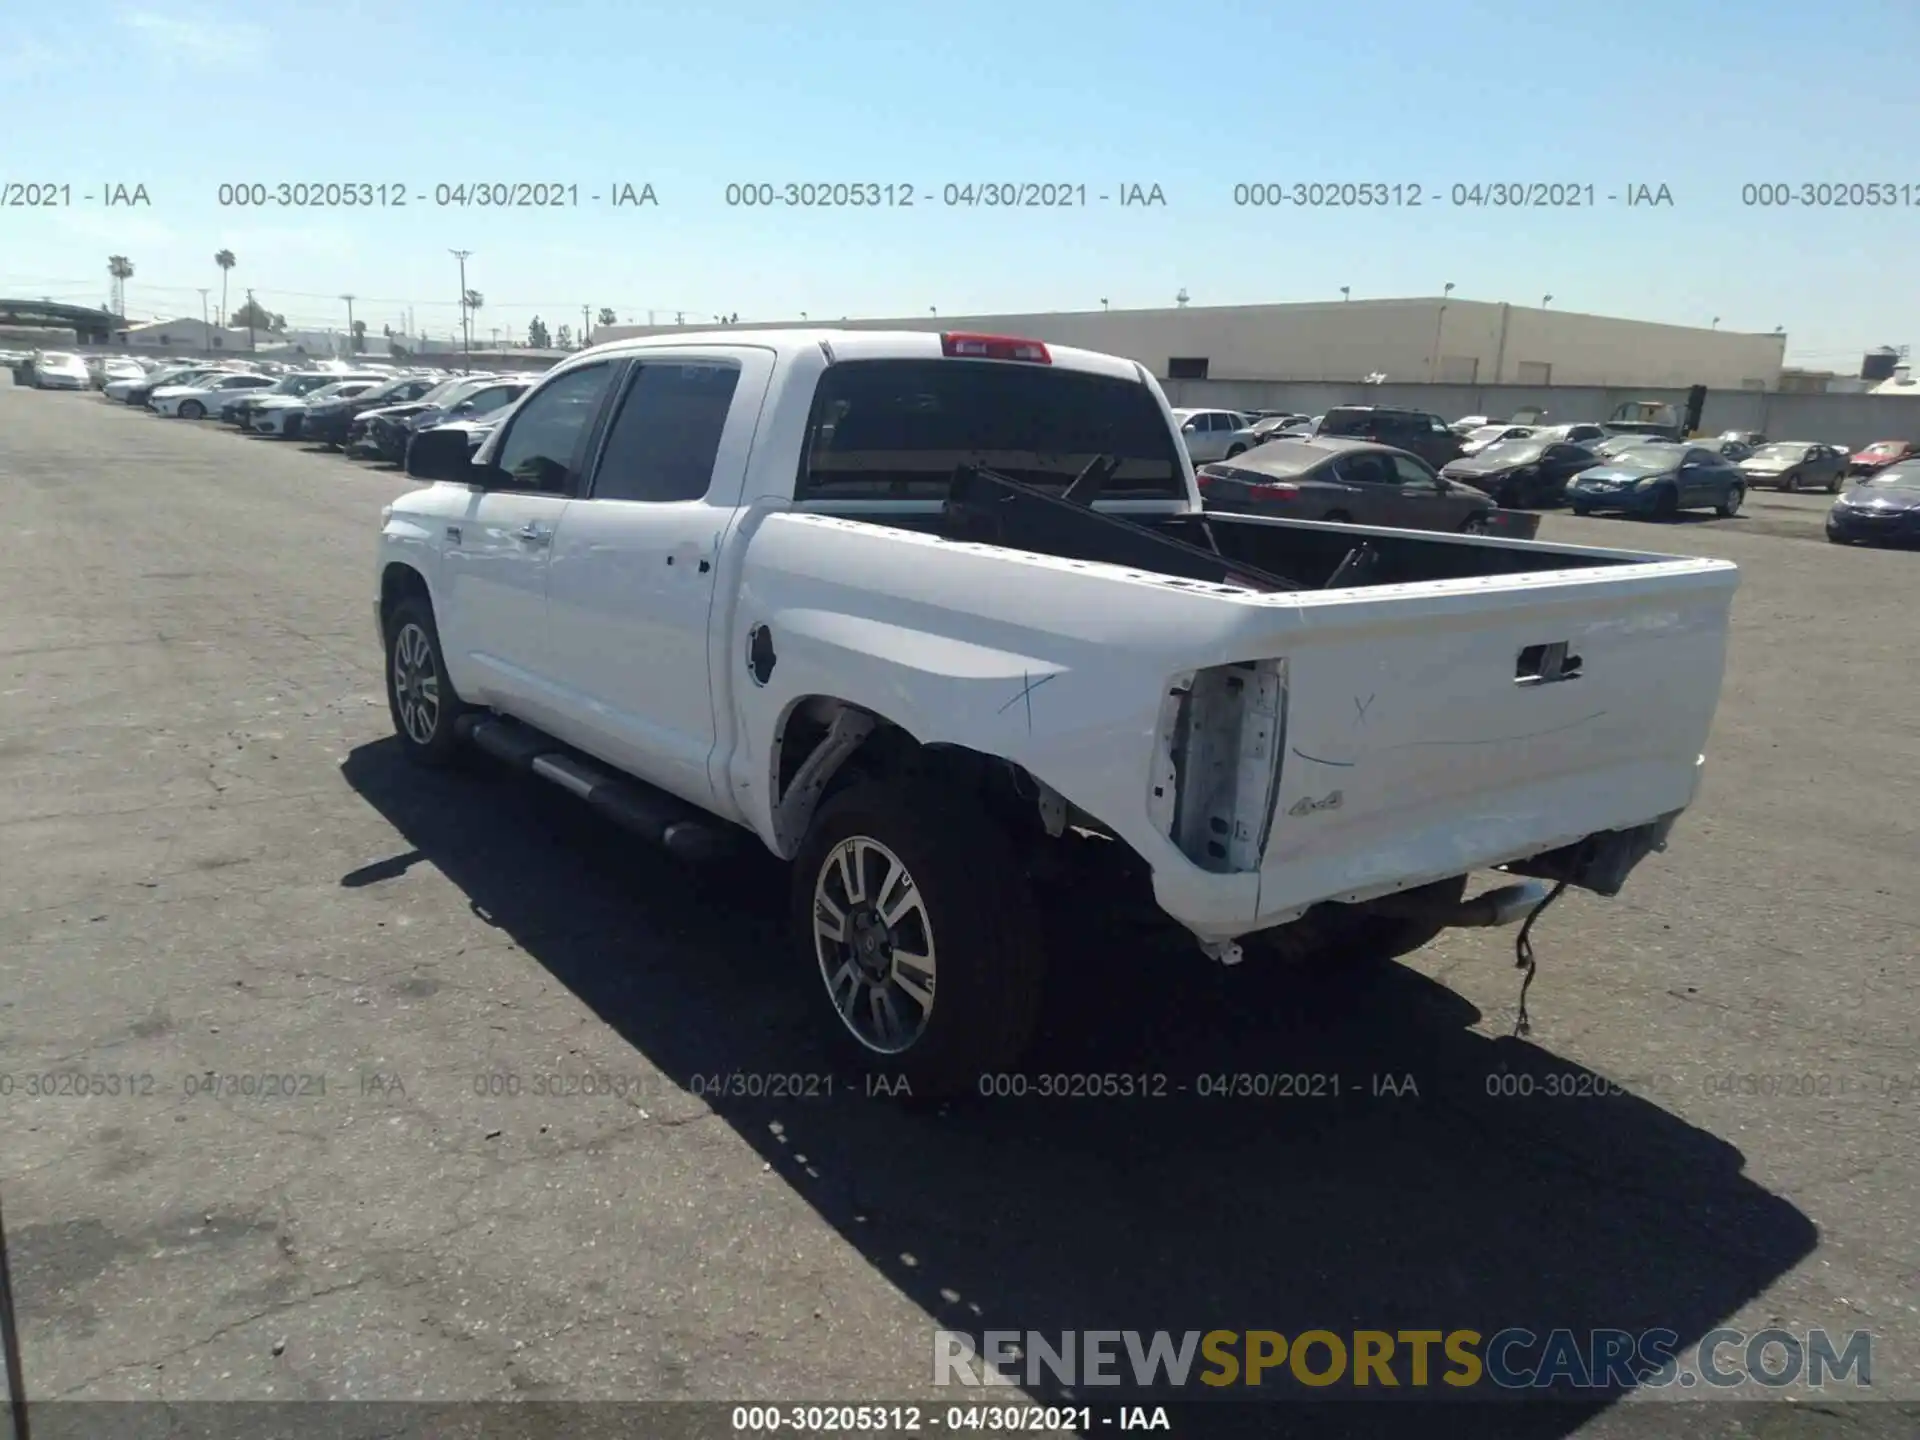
x: 637, y: 562
x: 495, y: 556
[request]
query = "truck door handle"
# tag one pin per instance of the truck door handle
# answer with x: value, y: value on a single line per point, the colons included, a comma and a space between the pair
x: 533, y: 534
x: 453, y: 533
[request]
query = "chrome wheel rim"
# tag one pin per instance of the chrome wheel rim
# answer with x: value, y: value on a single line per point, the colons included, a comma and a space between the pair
x: 873, y: 939
x: 416, y: 684
x: 1734, y: 497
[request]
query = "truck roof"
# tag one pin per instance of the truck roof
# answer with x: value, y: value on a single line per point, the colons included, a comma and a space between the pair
x: 867, y: 345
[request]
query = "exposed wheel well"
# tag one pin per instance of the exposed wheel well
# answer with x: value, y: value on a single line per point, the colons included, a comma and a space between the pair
x: 401, y: 582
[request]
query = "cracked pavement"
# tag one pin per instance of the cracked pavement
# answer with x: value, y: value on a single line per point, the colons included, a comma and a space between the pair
x: 274, y: 1009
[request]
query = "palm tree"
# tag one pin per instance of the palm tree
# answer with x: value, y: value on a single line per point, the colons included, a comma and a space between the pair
x: 607, y: 317
x: 121, y: 269
x: 224, y: 259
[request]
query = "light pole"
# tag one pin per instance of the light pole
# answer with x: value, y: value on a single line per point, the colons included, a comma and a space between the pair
x: 466, y: 336
x: 206, y: 335
x: 586, y: 326
x: 1433, y: 365
x: 1716, y: 323
x: 349, y: 300
x: 251, y: 347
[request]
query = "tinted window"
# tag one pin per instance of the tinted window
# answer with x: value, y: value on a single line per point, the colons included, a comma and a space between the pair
x: 1345, y: 422
x: 1410, y: 471
x: 1366, y: 469
x: 1437, y: 426
x: 492, y: 397
x: 537, y: 452
x: 666, y: 436
x: 899, y: 428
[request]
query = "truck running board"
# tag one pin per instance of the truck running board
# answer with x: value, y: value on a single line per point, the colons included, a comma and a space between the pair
x: 652, y: 814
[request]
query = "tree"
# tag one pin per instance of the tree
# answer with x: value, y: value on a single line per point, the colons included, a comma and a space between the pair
x: 224, y: 259
x: 255, y: 316
x: 359, y: 336
x: 537, y: 336
x: 607, y: 317
x: 565, y: 336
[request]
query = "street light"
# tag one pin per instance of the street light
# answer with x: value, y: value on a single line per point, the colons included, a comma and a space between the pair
x: 1446, y: 290
x: 350, y: 346
x: 1716, y: 323
x: 206, y: 336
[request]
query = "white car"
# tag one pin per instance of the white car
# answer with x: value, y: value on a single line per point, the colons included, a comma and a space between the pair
x: 57, y: 370
x: 825, y: 592
x: 151, y: 380
x: 112, y: 370
x: 205, y: 396
x: 1209, y: 434
x: 281, y: 415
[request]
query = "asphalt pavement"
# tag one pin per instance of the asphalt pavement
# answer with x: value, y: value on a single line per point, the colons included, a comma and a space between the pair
x: 325, y: 1079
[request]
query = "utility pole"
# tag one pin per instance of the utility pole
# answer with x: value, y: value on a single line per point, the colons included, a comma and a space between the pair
x: 350, y: 346
x: 251, y: 347
x: 206, y: 337
x: 586, y: 326
x: 466, y: 337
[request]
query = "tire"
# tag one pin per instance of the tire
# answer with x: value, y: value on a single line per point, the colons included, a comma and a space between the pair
x: 1337, y: 517
x: 1233, y: 450
x: 972, y: 913
x: 1331, y: 935
x: 1583, y: 510
x: 192, y: 410
x: 1833, y: 485
x: 1730, y: 507
x: 1790, y: 482
x: 1666, y: 503
x: 1474, y: 524
x: 426, y: 723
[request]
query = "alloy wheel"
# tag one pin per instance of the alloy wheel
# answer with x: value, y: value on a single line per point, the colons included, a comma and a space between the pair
x: 416, y: 684
x: 873, y: 938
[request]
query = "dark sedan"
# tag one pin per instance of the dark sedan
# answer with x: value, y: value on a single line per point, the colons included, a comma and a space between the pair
x: 327, y: 423
x: 390, y: 430
x: 1347, y: 481
x: 1522, y: 473
x: 1883, y: 509
x: 1659, y: 480
x: 1796, y: 465
x: 303, y: 382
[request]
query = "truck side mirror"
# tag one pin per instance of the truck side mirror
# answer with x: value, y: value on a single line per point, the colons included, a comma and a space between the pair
x: 442, y: 455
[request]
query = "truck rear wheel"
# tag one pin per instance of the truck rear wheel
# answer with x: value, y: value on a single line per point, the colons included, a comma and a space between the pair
x: 922, y: 931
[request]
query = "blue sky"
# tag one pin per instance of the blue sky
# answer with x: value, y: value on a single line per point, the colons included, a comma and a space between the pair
x: 1702, y: 97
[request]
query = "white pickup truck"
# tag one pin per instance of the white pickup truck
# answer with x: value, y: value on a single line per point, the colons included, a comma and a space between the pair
x: 940, y: 618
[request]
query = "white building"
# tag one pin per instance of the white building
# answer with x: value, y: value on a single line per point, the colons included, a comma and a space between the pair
x: 1414, y: 341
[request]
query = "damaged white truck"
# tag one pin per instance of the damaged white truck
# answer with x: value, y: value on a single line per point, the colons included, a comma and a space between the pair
x: 936, y: 617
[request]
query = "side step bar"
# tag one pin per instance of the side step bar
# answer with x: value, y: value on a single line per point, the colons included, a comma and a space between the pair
x: 652, y: 814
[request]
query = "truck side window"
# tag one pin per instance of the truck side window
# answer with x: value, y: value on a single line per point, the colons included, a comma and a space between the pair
x: 663, y: 442
x: 542, y: 445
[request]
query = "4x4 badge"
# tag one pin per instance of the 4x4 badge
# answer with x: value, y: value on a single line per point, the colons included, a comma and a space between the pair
x: 1306, y: 805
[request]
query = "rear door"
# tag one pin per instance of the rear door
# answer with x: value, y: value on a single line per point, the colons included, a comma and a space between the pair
x: 631, y: 591
x: 1372, y: 489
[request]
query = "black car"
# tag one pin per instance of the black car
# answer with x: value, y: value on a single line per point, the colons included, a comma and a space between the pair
x: 1415, y: 431
x: 1523, y: 473
x: 327, y: 423
x: 1347, y: 481
x: 390, y: 437
x: 1883, y: 509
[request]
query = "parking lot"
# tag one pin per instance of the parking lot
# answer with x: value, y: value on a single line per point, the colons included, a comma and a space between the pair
x: 391, y: 1085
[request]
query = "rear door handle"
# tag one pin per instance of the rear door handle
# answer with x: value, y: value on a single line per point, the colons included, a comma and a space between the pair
x: 533, y: 534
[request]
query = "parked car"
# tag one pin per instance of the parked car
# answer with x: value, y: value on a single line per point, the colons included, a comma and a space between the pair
x: 137, y: 392
x: 112, y: 370
x: 1881, y: 454
x: 294, y: 385
x: 1752, y: 439
x: 1210, y: 433
x: 284, y: 416
x: 1522, y: 473
x: 1659, y: 480
x: 59, y: 370
x: 1350, y: 482
x: 327, y: 421
x: 1414, y: 431
x: 1796, y: 465
x: 473, y: 397
x: 1474, y: 441
x: 917, y: 727
x: 1616, y: 445
x: 1583, y: 433
x: 1467, y: 424
x: 1257, y: 432
x: 1883, y: 509
x: 205, y: 396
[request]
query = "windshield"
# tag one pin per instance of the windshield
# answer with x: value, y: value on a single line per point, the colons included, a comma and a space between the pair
x: 445, y: 390
x: 57, y: 359
x: 1781, y: 450
x: 1884, y: 447
x: 1513, y: 452
x: 898, y: 429
x: 1896, y: 477
x: 1487, y: 434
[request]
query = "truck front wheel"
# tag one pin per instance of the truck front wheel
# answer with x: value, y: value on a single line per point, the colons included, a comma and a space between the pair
x: 422, y: 700
x: 923, y: 934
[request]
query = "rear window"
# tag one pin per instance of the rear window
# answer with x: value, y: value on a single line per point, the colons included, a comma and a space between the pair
x: 898, y: 429
x: 1347, y: 422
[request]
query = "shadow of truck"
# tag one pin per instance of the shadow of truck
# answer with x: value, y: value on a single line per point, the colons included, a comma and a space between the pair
x: 1455, y: 1208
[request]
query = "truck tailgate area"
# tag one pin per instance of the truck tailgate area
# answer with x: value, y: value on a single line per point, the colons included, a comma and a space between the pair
x: 1424, y: 737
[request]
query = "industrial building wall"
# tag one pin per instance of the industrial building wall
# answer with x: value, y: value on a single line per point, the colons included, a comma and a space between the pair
x: 1410, y: 341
